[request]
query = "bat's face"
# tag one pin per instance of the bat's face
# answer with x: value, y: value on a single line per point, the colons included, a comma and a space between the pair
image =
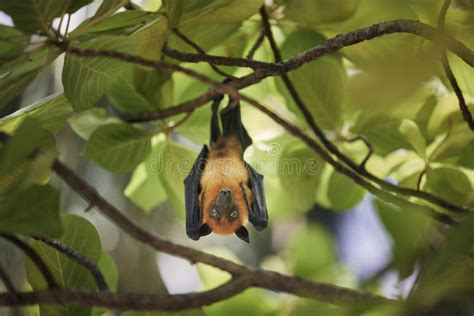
x: 225, y: 209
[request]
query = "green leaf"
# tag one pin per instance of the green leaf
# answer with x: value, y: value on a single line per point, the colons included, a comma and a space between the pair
x: 448, y: 271
x: 352, y: 193
x: 369, y: 12
x: 17, y: 74
x: 382, y: 131
x: 80, y: 236
x: 457, y: 146
x: 121, y: 21
x: 86, y: 79
x: 174, y: 9
x: 27, y: 138
x: 218, y: 11
x: 32, y: 211
x: 118, y: 147
x: 151, y: 38
x: 85, y: 123
x: 446, y: 114
x: 451, y: 183
x: 13, y: 42
x: 409, y: 231
x: 464, y: 73
x: 75, y: 5
x: 145, y: 188
x: 206, y: 36
x: 300, y: 170
x: 108, y: 7
x: 412, y: 133
x: 50, y: 112
x: 314, y: 12
x: 309, y: 264
x: 32, y: 15
x: 191, y: 312
x: 174, y: 162
x: 321, y: 84
x: 125, y: 97
x: 26, y: 157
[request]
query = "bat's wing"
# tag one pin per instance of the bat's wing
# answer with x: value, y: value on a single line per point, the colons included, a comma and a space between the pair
x: 232, y: 124
x: 192, y: 189
x: 258, y: 215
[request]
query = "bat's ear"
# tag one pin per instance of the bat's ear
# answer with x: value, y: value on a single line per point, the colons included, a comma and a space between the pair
x: 204, y: 230
x: 243, y: 234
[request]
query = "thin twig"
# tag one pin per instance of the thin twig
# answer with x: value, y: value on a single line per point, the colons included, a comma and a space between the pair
x: 35, y: 258
x: 367, y: 144
x: 180, y: 122
x: 259, y: 278
x: 7, y: 282
x: 256, y: 45
x: 466, y: 114
x: 188, y: 41
x: 67, y: 26
x: 420, y: 178
x: 78, y: 258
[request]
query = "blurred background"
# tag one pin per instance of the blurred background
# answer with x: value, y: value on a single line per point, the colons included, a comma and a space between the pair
x: 322, y: 226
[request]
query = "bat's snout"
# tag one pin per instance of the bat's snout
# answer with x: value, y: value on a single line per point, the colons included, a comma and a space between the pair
x: 225, y: 192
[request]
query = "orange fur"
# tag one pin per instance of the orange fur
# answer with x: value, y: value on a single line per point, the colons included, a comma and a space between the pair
x: 225, y: 168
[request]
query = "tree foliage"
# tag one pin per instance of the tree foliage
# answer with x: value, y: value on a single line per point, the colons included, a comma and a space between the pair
x: 135, y: 93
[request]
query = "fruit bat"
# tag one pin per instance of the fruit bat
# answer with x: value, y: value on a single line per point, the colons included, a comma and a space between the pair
x: 222, y: 191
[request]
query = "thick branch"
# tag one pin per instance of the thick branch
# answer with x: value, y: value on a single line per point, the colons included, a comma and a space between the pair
x: 170, y: 302
x: 220, y: 60
x: 35, y: 258
x: 260, y: 278
x: 78, y: 258
x: 347, y: 39
x: 128, y: 301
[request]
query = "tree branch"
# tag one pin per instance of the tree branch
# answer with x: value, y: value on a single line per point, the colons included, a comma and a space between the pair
x: 255, y: 46
x: 7, y: 282
x: 78, y: 258
x: 343, y: 40
x: 259, y: 278
x: 173, y: 302
x: 220, y: 60
x: 467, y: 115
x: 35, y: 258
x: 128, y: 301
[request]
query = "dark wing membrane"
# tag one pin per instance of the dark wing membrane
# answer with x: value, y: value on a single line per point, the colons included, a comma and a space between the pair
x: 192, y: 190
x: 258, y: 213
x: 232, y: 124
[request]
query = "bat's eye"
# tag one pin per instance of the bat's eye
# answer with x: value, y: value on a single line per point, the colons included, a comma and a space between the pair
x: 214, y: 213
x: 233, y: 214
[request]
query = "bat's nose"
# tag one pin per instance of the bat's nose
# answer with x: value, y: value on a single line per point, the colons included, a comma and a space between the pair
x: 225, y: 191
